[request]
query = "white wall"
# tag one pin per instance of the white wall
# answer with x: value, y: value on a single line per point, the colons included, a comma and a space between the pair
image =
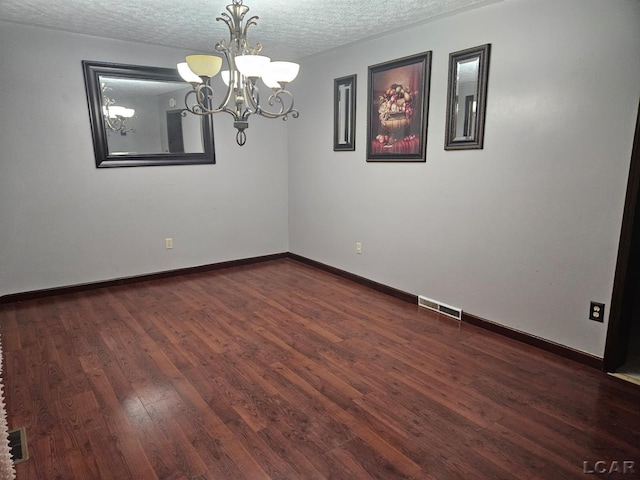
x: 64, y: 222
x: 524, y: 232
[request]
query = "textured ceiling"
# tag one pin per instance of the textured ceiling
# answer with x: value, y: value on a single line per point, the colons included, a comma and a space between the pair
x: 287, y: 29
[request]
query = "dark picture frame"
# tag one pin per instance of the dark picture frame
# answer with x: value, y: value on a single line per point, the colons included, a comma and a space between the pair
x: 467, y: 98
x: 95, y: 76
x: 344, y: 113
x: 398, y: 109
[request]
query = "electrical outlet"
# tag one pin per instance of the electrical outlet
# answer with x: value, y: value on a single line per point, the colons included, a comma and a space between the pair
x: 358, y: 247
x: 596, y: 312
x: 168, y: 243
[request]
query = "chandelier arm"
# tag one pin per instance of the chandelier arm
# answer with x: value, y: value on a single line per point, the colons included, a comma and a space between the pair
x: 252, y: 21
x: 124, y: 127
x: 223, y: 104
x: 253, y: 96
x: 230, y: 25
x: 279, y: 97
x: 224, y: 17
x: 109, y: 124
x: 231, y: 88
x: 202, y: 94
x: 115, y: 123
x: 196, y: 107
x: 258, y: 48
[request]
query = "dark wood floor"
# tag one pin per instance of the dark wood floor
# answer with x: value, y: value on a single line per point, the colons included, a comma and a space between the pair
x: 278, y: 370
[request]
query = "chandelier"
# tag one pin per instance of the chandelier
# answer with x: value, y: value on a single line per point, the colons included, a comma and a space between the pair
x: 245, y: 67
x: 116, y: 118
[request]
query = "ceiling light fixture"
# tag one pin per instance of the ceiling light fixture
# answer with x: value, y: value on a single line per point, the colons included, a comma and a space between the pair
x: 245, y: 67
x: 115, y: 117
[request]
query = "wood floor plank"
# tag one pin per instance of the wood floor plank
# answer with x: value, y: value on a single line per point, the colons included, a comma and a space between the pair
x: 159, y: 431
x: 396, y: 458
x: 280, y: 309
x: 11, y: 331
x: 282, y: 371
x: 300, y: 458
x: 271, y: 461
x: 124, y: 456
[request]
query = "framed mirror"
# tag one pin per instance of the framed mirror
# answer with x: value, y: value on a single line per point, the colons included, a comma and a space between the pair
x: 467, y: 98
x: 137, y: 119
x: 344, y: 108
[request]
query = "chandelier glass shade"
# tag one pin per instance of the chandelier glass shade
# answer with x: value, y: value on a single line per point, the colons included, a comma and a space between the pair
x: 245, y: 66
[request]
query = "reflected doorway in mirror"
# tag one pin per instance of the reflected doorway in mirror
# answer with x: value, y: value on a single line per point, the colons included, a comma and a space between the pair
x: 466, y: 98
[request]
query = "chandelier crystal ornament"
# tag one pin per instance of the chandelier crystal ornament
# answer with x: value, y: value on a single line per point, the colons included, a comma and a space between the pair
x: 116, y: 118
x: 245, y: 67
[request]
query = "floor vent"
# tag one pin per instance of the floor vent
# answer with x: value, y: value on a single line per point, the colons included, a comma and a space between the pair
x: 18, y: 445
x: 448, y: 310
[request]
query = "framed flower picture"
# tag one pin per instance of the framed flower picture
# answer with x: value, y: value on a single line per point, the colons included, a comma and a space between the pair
x: 398, y: 104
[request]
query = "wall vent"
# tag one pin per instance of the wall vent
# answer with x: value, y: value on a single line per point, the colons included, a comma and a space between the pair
x: 18, y: 445
x: 440, y: 307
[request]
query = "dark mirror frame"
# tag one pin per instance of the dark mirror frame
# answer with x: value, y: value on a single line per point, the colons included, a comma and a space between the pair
x: 481, y: 52
x: 350, y: 120
x: 92, y: 72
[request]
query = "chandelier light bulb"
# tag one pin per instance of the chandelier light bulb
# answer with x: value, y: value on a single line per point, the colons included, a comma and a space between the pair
x: 225, y: 77
x: 282, y: 72
x: 252, y: 65
x: 270, y: 81
x: 186, y: 73
x: 116, y: 111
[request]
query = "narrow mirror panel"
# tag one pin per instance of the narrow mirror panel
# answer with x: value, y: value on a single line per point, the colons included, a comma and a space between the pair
x: 344, y: 127
x: 466, y: 98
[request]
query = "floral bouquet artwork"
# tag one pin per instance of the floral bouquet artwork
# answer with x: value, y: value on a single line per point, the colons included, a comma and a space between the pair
x: 395, y: 114
x: 397, y: 109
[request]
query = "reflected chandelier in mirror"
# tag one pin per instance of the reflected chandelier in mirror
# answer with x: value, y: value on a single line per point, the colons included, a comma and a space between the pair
x: 135, y: 119
x: 116, y: 117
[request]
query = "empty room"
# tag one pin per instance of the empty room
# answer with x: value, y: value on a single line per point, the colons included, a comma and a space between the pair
x: 295, y: 240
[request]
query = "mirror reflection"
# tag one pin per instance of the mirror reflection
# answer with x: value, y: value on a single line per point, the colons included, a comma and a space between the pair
x: 141, y: 117
x: 344, y: 113
x: 466, y: 98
